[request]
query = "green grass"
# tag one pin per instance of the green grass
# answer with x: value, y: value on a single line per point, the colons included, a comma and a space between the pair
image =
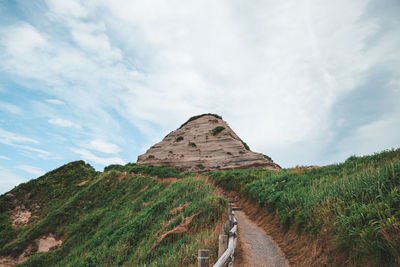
x: 357, y: 202
x: 114, y: 218
x: 161, y: 172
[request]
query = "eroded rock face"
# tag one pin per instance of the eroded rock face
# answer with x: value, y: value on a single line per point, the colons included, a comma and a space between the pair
x: 204, y: 143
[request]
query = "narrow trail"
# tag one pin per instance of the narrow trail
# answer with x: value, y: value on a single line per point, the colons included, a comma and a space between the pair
x: 257, y: 249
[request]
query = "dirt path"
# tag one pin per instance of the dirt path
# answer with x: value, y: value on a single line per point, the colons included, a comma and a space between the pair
x: 258, y: 249
x: 255, y: 248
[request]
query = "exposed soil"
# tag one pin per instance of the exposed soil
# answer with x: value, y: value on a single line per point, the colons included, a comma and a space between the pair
x: 180, y: 208
x: 82, y: 183
x: 182, y: 228
x: 47, y: 243
x: 20, y: 217
x: 44, y: 243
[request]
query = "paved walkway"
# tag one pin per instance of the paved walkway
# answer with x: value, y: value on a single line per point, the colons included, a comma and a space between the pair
x: 258, y: 248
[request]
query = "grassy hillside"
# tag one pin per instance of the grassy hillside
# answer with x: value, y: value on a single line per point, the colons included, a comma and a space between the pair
x: 357, y: 202
x: 117, y: 217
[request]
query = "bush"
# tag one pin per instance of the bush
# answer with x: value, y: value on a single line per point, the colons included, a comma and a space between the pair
x: 179, y: 138
x: 217, y: 130
x: 192, y: 144
x: 245, y: 146
x: 199, y: 116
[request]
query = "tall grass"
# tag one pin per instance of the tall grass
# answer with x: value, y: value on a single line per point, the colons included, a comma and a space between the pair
x: 358, y: 202
x: 114, y: 219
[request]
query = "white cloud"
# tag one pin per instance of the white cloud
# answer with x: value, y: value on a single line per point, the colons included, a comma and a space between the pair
x: 8, y: 180
x: 10, y: 108
x: 87, y: 155
x: 10, y: 138
x: 273, y: 69
x: 24, y: 39
x: 55, y: 101
x: 43, y: 154
x: 67, y: 8
x: 64, y: 123
x: 31, y: 169
x: 4, y: 157
x: 19, y: 142
x: 102, y: 146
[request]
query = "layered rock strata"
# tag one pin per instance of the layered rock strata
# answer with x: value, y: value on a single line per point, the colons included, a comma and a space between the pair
x: 204, y: 143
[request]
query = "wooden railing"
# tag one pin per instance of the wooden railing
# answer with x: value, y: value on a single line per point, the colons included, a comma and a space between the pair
x: 227, y: 244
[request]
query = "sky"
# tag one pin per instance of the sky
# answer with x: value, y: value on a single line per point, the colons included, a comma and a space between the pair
x: 305, y: 82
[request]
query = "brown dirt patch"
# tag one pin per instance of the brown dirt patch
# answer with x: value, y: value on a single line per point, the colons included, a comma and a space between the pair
x: 20, y: 217
x: 168, y: 180
x: 180, y: 208
x: 44, y: 244
x: 124, y: 176
x: 182, y: 228
x: 82, y: 183
x: 47, y: 243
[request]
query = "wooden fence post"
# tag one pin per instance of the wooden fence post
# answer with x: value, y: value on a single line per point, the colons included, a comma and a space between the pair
x: 202, y: 258
x: 223, y: 244
x: 230, y: 215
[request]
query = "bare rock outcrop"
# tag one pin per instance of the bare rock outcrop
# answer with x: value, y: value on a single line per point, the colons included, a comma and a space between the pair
x: 204, y: 143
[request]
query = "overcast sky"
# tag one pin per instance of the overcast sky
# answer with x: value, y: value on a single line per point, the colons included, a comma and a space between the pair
x: 305, y: 82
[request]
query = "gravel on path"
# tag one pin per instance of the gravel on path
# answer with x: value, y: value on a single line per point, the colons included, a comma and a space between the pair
x: 258, y: 248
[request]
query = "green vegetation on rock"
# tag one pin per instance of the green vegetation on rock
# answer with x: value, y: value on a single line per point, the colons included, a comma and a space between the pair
x: 217, y: 130
x: 199, y: 116
x: 192, y: 144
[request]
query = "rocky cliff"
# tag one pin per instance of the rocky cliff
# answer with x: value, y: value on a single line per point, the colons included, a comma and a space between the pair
x: 204, y: 143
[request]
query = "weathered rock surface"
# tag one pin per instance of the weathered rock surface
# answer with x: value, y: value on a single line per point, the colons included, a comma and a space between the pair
x: 204, y: 143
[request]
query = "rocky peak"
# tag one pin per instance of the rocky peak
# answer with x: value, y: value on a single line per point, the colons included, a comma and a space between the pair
x: 204, y: 143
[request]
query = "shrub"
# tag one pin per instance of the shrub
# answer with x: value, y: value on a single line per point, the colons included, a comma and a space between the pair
x: 192, y: 144
x: 179, y: 138
x: 268, y: 158
x: 217, y: 130
x: 200, y: 166
x: 245, y: 146
x: 199, y: 116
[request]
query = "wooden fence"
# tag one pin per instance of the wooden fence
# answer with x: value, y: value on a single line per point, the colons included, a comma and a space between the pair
x: 227, y: 244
